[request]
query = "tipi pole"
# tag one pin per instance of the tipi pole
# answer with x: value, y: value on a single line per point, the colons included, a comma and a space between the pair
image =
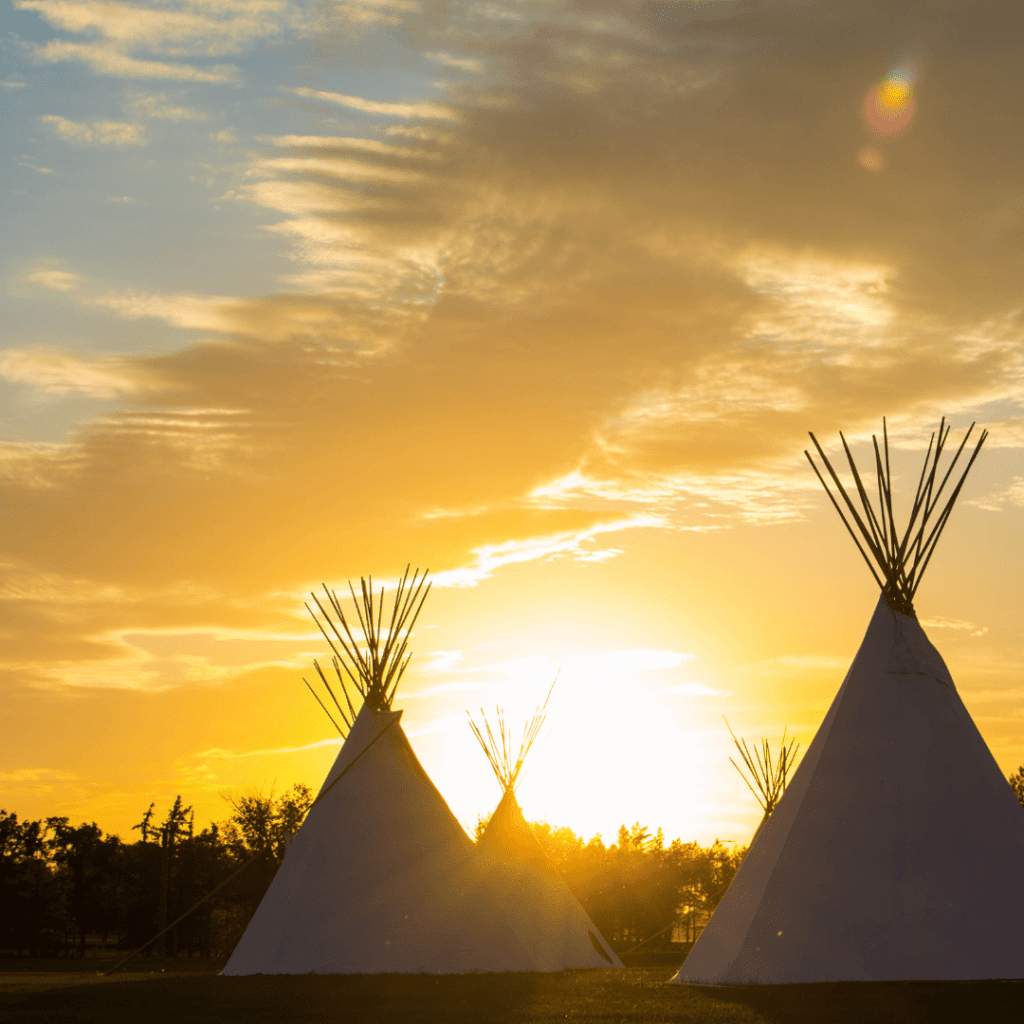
x: 324, y: 706
x: 337, y: 704
x: 849, y: 529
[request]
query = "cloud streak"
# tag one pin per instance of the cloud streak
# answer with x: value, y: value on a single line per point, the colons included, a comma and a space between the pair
x: 98, y: 133
x: 108, y: 60
x: 216, y: 753
x: 414, y: 111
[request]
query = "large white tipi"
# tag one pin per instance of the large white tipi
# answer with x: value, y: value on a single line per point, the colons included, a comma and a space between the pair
x: 381, y: 877
x: 896, y: 851
x: 542, y: 911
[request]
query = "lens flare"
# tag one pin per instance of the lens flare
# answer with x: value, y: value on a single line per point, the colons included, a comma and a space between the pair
x: 871, y: 159
x: 894, y: 90
x: 889, y: 107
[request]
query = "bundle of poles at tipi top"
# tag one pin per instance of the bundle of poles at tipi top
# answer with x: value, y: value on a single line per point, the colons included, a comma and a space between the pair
x: 901, y: 559
x: 376, y: 671
x: 769, y: 772
x: 506, y: 760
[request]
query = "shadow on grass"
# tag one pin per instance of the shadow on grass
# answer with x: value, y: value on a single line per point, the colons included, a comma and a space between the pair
x: 632, y: 996
x: 582, y: 997
x: 878, y: 1002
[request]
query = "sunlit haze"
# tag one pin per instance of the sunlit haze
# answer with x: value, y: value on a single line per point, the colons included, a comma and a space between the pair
x: 542, y: 297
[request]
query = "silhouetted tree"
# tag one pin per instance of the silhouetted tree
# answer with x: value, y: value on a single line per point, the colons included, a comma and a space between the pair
x: 27, y: 893
x: 83, y: 861
x: 1017, y: 782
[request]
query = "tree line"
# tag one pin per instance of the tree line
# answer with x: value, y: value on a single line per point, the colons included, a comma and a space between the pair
x: 66, y: 890
x: 63, y: 888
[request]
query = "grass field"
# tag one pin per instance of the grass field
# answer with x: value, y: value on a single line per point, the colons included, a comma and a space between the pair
x: 185, y: 991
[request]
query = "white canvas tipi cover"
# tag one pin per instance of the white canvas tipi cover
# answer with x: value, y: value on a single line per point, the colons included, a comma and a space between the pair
x: 895, y: 852
x: 379, y: 878
x: 542, y: 911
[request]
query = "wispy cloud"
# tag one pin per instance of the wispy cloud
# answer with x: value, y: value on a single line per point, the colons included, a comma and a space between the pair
x: 38, y: 775
x: 374, y: 12
x: 192, y: 27
x: 97, y: 133
x: 163, y: 107
x: 339, y: 167
x: 447, y: 723
x: 374, y: 146
x: 997, y: 501
x: 421, y: 110
x: 63, y: 373
x: 55, y: 280
x: 228, y: 755
x: 107, y: 60
x: 203, y: 312
x: 960, y: 625
x: 442, y: 661
x: 491, y: 557
x: 459, y: 63
x: 118, y: 32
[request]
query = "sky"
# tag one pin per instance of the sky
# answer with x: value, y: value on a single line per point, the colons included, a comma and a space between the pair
x: 543, y: 296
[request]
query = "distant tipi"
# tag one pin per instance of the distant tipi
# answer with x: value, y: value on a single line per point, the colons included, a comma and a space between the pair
x: 542, y: 911
x: 381, y: 877
x: 895, y: 852
x: 766, y: 774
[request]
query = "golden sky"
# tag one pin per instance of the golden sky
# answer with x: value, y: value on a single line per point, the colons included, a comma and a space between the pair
x: 543, y: 296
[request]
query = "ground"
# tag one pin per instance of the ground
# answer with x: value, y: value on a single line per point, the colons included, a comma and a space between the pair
x: 190, y: 992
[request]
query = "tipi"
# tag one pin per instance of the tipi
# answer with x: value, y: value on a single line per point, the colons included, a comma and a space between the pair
x: 381, y: 876
x: 544, y: 914
x: 895, y: 852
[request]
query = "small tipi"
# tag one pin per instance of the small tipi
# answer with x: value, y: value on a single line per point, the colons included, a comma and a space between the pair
x: 542, y: 911
x: 380, y: 877
x: 895, y: 852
